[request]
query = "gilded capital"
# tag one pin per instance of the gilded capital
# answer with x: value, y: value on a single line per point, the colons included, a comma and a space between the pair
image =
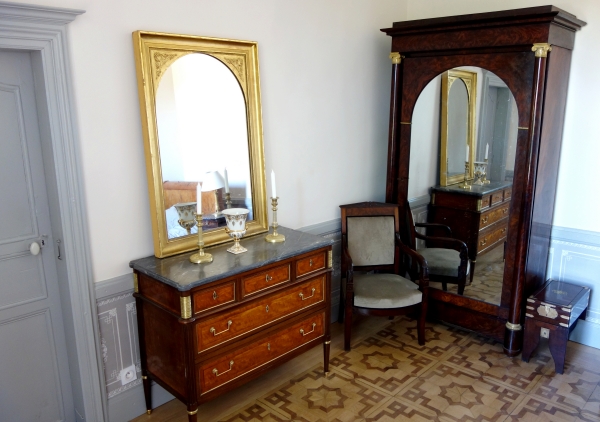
x: 541, y: 49
x: 396, y: 58
x: 186, y: 307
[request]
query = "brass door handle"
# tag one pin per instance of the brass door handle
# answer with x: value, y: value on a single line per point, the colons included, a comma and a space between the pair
x: 307, y: 333
x: 307, y: 297
x: 268, y: 278
x: 216, y: 371
x: 214, y: 332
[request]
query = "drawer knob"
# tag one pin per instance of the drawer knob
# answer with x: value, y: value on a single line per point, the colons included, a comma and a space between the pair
x: 214, y: 332
x: 215, y: 295
x: 307, y: 297
x: 216, y: 371
x: 307, y: 333
x: 268, y: 278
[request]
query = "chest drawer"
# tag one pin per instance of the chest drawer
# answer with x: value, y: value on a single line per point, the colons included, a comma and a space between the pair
x: 265, y: 280
x: 227, y: 368
x: 259, y: 313
x: 490, y: 217
x: 211, y: 298
x: 491, y: 237
x: 310, y: 264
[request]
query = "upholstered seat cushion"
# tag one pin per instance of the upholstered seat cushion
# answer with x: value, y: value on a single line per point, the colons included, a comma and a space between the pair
x: 384, y: 291
x: 442, y: 261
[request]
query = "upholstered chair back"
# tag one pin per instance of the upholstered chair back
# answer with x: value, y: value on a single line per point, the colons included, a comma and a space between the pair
x: 371, y: 240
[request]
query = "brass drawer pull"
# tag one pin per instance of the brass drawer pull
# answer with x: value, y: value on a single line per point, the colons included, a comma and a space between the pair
x: 267, y: 308
x: 215, y: 295
x: 216, y: 371
x: 503, y: 230
x: 308, y: 297
x: 484, y: 220
x: 268, y: 278
x: 483, y: 242
x: 310, y: 262
x: 214, y: 332
x: 505, y: 210
x: 269, y: 346
x: 313, y: 329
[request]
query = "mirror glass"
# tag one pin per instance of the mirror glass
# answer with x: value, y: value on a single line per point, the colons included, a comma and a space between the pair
x: 201, y: 120
x: 458, y: 127
x: 202, y: 128
x: 495, y: 130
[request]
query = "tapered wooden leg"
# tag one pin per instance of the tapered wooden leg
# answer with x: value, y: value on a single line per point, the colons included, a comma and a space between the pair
x: 471, y: 271
x: 532, y: 339
x: 147, y: 393
x: 192, y: 415
x: 558, y: 347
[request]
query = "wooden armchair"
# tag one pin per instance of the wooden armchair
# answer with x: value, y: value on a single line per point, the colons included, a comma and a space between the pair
x: 447, y: 258
x: 371, y: 244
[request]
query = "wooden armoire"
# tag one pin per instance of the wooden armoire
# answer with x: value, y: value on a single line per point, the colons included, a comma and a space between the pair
x: 530, y: 50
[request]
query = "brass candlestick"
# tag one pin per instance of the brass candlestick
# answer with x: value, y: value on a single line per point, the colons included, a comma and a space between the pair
x: 465, y: 185
x: 227, y: 200
x: 200, y: 257
x: 275, y: 237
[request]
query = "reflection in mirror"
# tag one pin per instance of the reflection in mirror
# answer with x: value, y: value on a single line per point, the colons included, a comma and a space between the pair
x: 478, y: 217
x: 202, y: 129
x: 458, y: 126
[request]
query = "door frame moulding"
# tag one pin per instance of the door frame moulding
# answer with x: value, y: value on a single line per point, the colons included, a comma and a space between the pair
x: 44, y: 30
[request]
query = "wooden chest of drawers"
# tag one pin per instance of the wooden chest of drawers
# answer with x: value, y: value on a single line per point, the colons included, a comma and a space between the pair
x: 205, y: 329
x: 478, y: 217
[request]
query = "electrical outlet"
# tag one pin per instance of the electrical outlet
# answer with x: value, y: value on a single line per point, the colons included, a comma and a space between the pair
x: 545, y: 333
x: 128, y: 374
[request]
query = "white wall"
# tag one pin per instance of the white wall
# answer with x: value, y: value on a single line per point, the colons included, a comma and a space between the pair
x: 325, y: 77
x: 576, y: 203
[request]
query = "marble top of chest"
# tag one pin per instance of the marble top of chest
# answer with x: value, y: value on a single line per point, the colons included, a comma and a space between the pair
x: 179, y: 272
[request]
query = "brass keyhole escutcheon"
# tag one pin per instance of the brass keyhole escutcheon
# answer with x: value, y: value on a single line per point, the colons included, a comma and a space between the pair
x: 267, y: 308
x: 268, y: 278
x: 215, y: 295
x: 269, y: 346
x: 310, y: 262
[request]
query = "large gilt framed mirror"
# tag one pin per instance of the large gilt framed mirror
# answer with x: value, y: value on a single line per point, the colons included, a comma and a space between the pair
x: 202, y: 126
x: 457, y: 135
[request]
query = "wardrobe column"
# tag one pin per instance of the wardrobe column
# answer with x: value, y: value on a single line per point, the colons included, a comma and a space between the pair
x: 393, y: 143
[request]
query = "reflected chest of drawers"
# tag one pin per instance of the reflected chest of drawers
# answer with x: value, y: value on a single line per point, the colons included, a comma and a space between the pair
x: 478, y: 217
x: 205, y: 329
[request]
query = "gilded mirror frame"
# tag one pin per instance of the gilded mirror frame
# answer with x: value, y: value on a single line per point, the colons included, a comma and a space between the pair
x: 154, y: 53
x: 470, y: 81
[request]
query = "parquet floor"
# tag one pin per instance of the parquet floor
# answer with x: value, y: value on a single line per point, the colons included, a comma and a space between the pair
x: 387, y: 376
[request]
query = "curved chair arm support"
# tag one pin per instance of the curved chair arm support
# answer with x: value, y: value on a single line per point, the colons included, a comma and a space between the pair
x: 446, y: 243
x: 436, y: 226
x: 423, y: 267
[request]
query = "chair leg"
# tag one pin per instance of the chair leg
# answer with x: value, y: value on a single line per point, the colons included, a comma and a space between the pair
x: 421, y: 323
x: 461, y: 287
x: 347, y: 327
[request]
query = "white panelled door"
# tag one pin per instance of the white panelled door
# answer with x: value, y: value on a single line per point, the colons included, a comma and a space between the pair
x: 34, y: 373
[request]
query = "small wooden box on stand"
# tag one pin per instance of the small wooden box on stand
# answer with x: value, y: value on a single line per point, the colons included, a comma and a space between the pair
x: 552, y: 312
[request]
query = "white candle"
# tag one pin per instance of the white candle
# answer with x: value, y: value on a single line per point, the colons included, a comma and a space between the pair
x: 226, y: 181
x: 467, y: 159
x: 273, y: 188
x: 198, y: 199
x: 487, y: 148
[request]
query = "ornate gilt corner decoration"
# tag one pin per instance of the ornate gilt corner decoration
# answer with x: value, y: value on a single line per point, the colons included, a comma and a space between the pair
x: 479, y: 205
x: 236, y: 64
x: 541, y: 49
x: 162, y: 61
x: 186, y: 307
x: 330, y: 259
x: 513, y: 327
x: 136, y: 288
x: 396, y: 58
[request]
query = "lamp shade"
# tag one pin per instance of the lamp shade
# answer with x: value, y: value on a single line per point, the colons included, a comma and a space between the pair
x: 212, y: 181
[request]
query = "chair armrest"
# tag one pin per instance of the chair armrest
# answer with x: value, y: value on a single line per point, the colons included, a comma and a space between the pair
x: 423, y: 268
x: 436, y: 226
x: 446, y: 243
